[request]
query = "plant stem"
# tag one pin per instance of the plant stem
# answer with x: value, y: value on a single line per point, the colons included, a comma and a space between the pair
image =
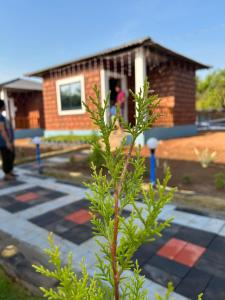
x: 116, y: 275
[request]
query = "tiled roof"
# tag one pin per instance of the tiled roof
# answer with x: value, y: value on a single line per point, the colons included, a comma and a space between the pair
x: 125, y: 47
x: 22, y: 84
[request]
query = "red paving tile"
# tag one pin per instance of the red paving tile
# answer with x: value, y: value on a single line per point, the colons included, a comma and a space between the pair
x: 189, y: 255
x: 172, y: 248
x: 27, y: 197
x: 81, y: 216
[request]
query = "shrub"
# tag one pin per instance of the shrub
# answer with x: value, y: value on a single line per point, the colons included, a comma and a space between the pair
x: 186, y: 179
x: 205, y: 157
x: 96, y: 157
x: 219, y: 179
x: 71, y: 138
x: 118, y: 238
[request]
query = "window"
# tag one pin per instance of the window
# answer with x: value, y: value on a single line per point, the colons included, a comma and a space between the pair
x: 70, y: 95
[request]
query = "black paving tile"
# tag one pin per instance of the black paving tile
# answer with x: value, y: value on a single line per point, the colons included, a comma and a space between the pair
x: 15, y: 207
x: 215, y: 257
x: 218, y: 245
x: 215, y: 290
x: 195, y: 236
x: 211, y: 267
x: 193, y: 284
x: 78, y: 234
x: 6, y: 201
x: 169, y: 266
x: 144, y: 253
x: 159, y: 275
x: 126, y: 213
x: 60, y: 226
x: 54, y: 195
x: 148, y: 250
x: 45, y: 219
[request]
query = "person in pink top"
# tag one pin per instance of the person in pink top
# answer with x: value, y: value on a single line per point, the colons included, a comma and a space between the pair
x: 120, y: 99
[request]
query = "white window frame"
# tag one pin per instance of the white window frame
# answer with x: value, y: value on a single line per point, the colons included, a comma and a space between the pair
x: 69, y: 80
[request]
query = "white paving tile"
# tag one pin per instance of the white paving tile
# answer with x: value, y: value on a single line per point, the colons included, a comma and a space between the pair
x: 205, y: 223
x: 58, y: 159
x: 222, y: 231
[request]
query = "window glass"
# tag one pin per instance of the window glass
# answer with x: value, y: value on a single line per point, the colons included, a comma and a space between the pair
x: 70, y: 96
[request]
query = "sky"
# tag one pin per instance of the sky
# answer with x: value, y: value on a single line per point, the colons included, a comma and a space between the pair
x: 38, y: 33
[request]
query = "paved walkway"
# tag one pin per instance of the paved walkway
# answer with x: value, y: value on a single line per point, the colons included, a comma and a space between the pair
x: 191, y: 252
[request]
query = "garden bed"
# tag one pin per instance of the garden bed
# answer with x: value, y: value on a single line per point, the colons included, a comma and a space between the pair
x: 190, y: 175
x: 186, y: 175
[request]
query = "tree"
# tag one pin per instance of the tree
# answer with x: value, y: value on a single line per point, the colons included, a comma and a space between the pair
x: 211, y: 91
x: 118, y: 237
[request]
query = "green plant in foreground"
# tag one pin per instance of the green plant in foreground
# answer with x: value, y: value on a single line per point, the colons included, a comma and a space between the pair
x: 118, y: 237
x: 219, y: 179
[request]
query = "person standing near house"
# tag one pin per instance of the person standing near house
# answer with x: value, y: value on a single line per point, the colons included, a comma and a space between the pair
x: 120, y: 99
x: 6, y: 144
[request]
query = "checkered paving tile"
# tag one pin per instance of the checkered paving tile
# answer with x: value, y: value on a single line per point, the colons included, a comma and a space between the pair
x: 11, y: 183
x: 72, y: 222
x: 182, y: 252
x: 190, y: 254
x: 81, y: 216
x: 193, y: 259
x: 172, y: 248
x: 27, y: 197
x: 17, y: 201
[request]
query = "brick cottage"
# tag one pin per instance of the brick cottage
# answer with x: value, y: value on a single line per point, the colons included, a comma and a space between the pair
x: 171, y: 75
x: 24, y: 106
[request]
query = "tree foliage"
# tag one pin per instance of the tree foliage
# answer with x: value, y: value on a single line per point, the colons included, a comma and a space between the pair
x: 211, y: 91
x: 109, y: 195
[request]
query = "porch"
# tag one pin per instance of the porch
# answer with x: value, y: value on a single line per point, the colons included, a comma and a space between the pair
x: 24, y: 107
x: 171, y: 77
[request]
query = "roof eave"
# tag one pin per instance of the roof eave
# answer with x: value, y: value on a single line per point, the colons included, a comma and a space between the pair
x: 131, y: 45
x: 137, y: 43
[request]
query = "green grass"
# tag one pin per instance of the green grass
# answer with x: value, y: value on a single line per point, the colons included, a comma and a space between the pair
x: 10, y: 290
x: 70, y: 138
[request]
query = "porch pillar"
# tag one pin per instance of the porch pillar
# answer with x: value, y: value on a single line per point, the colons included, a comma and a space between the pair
x: 140, y: 76
x: 104, y: 88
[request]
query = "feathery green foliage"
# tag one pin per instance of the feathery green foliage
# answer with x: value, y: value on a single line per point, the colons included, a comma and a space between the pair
x: 211, y: 91
x: 110, y: 193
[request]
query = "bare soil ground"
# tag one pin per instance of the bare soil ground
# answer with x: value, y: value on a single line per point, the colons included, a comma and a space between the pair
x: 183, y: 148
x: 187, y: 172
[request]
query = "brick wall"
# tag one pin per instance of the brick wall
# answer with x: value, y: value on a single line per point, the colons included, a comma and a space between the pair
x: 176, y: 89
x: 174, y: 85
x: 53, y: 121
x: 184, y: 112
x: 162, y: 83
